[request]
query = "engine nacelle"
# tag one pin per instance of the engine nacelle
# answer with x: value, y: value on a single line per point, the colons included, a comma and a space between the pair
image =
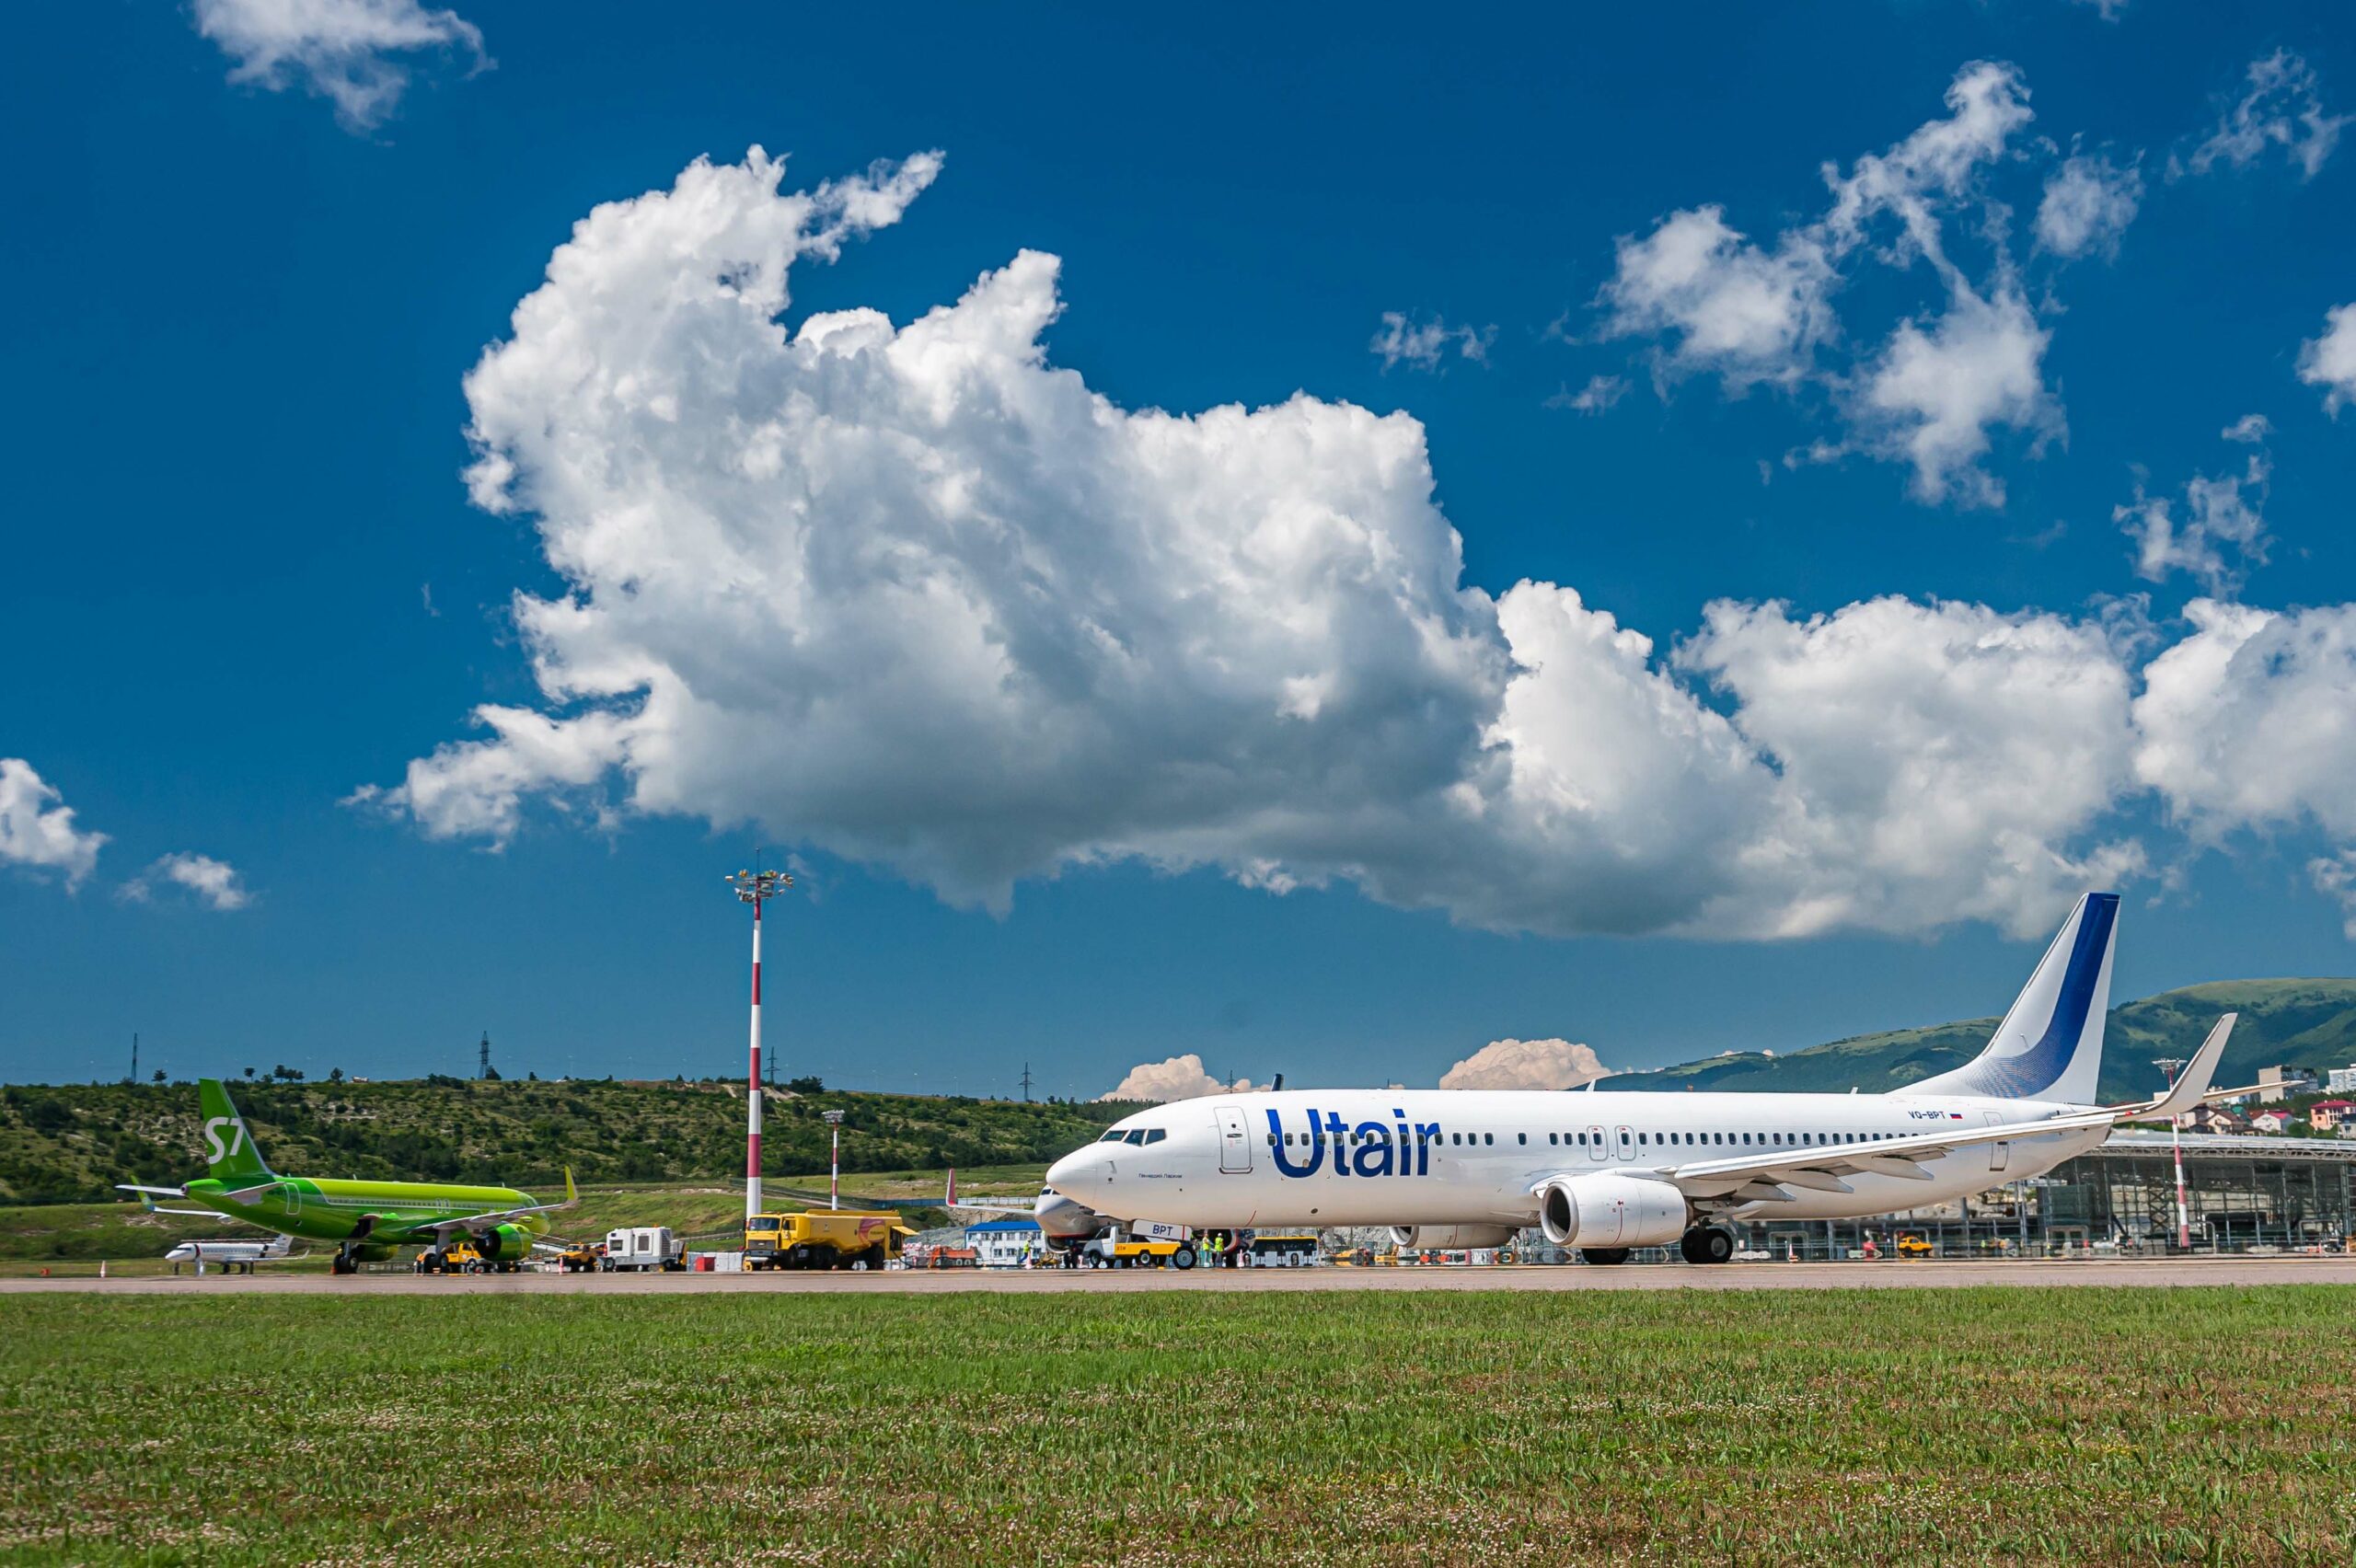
x: 1451, y: 1238
x: 1610, y: 1211
x: 503, y: 1244
x: 1063, y: 1222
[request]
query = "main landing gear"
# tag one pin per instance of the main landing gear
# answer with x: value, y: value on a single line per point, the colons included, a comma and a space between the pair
x: 1603, y: 1254
x: 1706, y: 1244
x: 345, y: 1262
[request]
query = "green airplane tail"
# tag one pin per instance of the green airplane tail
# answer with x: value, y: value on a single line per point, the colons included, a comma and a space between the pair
x: 230, y: 1154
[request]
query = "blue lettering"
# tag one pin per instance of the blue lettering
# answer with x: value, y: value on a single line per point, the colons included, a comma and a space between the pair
x: 1426, y: 1135
x: 1283, y: 1161
x: 1374, y: 1150
x: 1337, y: 1127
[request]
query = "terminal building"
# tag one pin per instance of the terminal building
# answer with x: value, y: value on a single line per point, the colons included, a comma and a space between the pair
x: 2241, y: 1193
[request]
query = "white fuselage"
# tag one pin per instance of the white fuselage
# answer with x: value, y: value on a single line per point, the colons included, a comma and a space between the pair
x: 267, y: 1251
x: 1325, y: 1157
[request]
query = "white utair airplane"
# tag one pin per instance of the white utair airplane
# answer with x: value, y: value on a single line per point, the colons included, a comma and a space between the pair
x: 1608, y: 1173
x: 229, y: 1256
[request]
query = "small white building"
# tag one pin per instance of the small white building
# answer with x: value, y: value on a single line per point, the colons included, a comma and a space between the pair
x: 1005, y: 1243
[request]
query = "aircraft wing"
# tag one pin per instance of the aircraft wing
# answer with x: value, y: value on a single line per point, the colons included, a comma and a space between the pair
x: 1821, y: 1167
x: 475, y: 1223
x: 147, y: 1196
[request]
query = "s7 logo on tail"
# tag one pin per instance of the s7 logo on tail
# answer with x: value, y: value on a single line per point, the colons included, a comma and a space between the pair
x: 213, y: 1146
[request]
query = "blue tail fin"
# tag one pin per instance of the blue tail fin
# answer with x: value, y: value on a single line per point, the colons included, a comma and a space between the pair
x: 2050, y: 1045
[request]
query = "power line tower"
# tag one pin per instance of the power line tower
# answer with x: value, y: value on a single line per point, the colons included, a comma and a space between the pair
x: 1026, y: 1082
x: 482, y: 1069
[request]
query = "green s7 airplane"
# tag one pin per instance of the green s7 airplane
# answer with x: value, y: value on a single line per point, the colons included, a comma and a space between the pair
x: 368, y: 1218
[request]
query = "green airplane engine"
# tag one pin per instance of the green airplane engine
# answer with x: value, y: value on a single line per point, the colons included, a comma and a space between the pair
x: 505, y: 1243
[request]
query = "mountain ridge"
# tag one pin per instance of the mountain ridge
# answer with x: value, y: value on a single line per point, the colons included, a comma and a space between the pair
x: 2301, y: 1022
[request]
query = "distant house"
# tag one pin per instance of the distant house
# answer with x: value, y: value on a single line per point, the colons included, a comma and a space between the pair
x: 2275, y: 1084
x: 1005, y: 1243
x: 2329, y: 1116
x: 2340, y: 1081
x: 2272, y: 1121
x: 2212, y: 1119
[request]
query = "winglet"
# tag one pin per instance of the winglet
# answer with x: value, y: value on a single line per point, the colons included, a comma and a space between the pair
x: 2192, y: 1085
x: 572, y: 1193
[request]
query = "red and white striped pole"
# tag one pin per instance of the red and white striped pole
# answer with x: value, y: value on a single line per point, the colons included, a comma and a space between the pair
x: 753, y: 1085
x: 834, y: 1163
x: 755, y: 888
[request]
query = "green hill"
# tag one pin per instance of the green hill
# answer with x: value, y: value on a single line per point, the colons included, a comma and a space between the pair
x: 71, y: 1143
x: 2300, y: 1024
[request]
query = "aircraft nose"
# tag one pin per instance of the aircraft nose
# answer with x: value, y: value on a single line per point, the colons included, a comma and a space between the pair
x: 1079, y: 1173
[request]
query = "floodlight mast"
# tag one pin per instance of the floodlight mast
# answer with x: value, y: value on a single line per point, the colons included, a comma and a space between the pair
x: 835, y: 1166
x: 2171, y: 1065
x: 755, y: 888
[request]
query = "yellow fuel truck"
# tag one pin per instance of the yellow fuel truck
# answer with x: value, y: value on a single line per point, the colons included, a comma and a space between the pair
x: 823, y: 1239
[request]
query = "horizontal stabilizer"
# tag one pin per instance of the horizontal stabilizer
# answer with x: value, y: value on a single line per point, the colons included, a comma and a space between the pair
x: 2191, y: 1085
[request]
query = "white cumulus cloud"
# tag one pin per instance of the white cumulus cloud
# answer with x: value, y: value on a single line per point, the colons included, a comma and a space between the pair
x: 2335, y: 877
x: 1421, y: 345
x: 1177, y: 1077
x: 2282, y: 108
x: 214, y: 883
x: 915, y: 595
x: 352, y: 52
x: 2250, y: 721
x: 1751, y: 313
x: 2220, y: 513
x: 2087, y: 204
x: 1941, y: 756
x: 37, y: 829
x: 2329, y: 361
x: 1526, y: 1064
x: 1599, y: 393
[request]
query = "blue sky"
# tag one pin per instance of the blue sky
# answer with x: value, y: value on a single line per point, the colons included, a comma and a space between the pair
x: 248, y: 579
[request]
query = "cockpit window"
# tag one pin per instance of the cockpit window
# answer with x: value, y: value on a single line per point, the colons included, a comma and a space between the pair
x: 1155, y: 1135
x: 1115, y: 1136
x: 1137, y: 1135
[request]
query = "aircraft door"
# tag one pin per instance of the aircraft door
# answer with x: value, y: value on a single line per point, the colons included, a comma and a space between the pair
x: 1624, y: 1142
x: 293, y: 1196
x: 1234, y: 1142
x: 1999, y: 1155
x: 1596, y: 1149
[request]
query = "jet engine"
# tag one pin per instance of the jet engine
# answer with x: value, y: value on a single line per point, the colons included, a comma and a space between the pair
x: 504, y: 1243
x: 1063, y: 1223
x: 1610, y: 1211
x: 1451, y: 1238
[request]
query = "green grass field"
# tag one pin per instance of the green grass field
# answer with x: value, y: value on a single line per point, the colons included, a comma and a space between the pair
x: 1196, y: 1425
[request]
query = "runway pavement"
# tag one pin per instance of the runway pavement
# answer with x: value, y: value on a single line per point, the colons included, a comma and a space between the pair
x: 1634, y: 1276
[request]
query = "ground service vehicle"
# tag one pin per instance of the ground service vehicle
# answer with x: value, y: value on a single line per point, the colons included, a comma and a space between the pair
x: 1116, y: 1252
x: 579, y: 1257
x: 822, y: 1238
x: 1281, y: 1251
x: 462, y: 1257
x: 642, y: 1248
x: 1913, y: 1245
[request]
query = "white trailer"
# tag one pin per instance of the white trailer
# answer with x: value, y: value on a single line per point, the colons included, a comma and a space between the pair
x: 644, y: 1247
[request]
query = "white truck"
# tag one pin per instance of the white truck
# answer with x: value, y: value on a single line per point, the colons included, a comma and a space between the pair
x: 642, y: 1248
